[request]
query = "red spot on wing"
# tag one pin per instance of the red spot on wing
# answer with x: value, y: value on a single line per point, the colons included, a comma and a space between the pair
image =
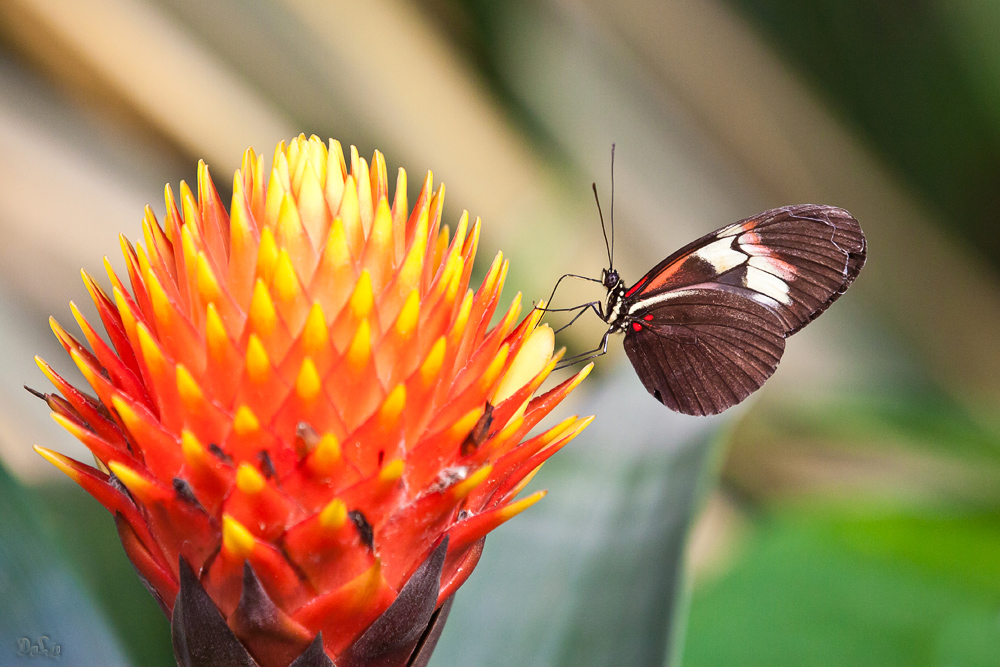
x: 648, y: 318
x: 637, y: 326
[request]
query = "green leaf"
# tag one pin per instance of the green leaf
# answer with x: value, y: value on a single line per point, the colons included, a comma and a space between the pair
x: 85, y: 533
x: 855, y: 586
x: 44, y: 605
x: 592, y: 574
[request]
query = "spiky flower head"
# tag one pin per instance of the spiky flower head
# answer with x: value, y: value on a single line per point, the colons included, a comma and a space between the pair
x: 302, y: 410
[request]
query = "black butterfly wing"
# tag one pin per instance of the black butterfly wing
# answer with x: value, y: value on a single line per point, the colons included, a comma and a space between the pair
x: 704, y: 350
x: 706, y: 327
x: 796, y: 259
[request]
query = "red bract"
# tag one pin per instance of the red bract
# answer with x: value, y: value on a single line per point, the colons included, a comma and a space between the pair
x: 301, y: 400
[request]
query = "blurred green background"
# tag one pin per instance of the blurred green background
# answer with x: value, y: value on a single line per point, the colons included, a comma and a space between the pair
x: 849, y: 514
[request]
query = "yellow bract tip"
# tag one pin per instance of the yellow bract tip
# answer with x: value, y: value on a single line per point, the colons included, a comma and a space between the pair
x: 90, y: 283
x: 216, y: 336
x: 413, y: 265
x: 128, y: 414
x: 194, y: 452
x: 464, y: 426
x: 465, y: 487
x: 361, y: 347
x: 363, y: 298
x: 77, y: 315
x: 236, y: 539
x: 46, y: 369
x: 576, y: 428
x: 456, y: 279
x: 512, y: 427
x: 516, y: 508
x: 581, y: 376
x: 496, y: 366
x: 89, y: 374
x: 432, y: 364
x: 263, y: 316
x: 535, y: 316
x: 188, y: 248
x: 245, y: 421
x: 391, y: 472
x: 406, y: 323
x: 462, y: 319
x: 188, y: 388
x: 315, y: 335
x: 208, y: 286
x: 257, y: 361
x: 381, y: 233
x: 133, y: 481
x: 56, y: 459
x: 512, y: 312
x: 267, y: 254
x: 150, y: 350
x: 239, y: 224
x: 74, y: 429
x: 337, y: 251
x: 163, y: 310
x: 393, y: 405
x: 308, y: 383
x: 57, y: 329
x: 558, y: 429
x: 289, y: 225
x: 128, y: 317
x: 326, y: 456
x: 350, y: 209
x: 451, y: 265
x: 490, y: 282
x: 286, y: 281
x: 334, y: 515
x: 249, y: 480
x: 125, y: 245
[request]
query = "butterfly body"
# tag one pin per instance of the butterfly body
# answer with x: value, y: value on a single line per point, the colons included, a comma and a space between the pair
x: 706, y: 327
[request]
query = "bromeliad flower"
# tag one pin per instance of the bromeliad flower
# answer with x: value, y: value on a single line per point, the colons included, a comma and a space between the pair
x: 304, y: 424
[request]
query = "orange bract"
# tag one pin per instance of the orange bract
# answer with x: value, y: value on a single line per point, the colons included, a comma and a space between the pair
x: 307, y: 384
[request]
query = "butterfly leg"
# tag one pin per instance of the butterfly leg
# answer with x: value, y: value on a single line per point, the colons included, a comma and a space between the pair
x: 593, y: 305
x: 598, y: 351
x: 568, y: 275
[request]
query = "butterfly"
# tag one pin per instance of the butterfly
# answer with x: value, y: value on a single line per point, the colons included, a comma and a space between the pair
x: 706, y: 327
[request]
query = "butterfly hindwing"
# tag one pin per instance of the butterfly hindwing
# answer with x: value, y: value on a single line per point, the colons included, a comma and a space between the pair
x: 704, y: 350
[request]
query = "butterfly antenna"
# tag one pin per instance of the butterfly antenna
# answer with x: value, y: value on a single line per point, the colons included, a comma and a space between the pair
x: 611, y: 252
x: 604, y: 229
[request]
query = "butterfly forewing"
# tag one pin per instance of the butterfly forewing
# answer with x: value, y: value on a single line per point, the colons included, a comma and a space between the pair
x: 797, y: 258
x: 704, y: 350
x: 707, y: 325
x: 804, y: 257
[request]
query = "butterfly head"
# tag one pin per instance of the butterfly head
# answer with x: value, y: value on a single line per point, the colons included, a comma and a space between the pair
x: 610, y: 279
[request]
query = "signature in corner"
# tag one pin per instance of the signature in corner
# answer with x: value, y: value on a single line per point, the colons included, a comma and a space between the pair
x: 43, y: 647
